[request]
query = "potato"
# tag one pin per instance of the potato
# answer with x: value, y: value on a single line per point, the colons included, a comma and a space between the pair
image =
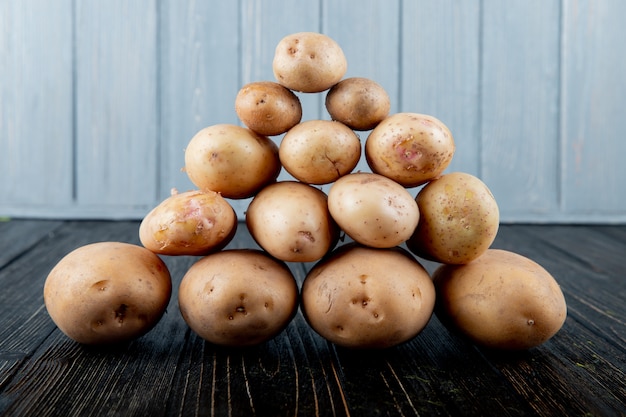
x: 268, y: 108
x: 308, y: 62
x: 290, y: 220
x: 410, y: 148
x: 107, y: 292
x: 362, y: 297
x: 238, y: 297
x: 459, y: 219
x: 502, y: 300
x: 189, y: 223
x: 319, y: 151
x: 231, y: 160
x: 359, y: 103
x: 373, y: 210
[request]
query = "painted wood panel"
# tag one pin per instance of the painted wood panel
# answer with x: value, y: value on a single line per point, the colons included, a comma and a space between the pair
x: 520, y: 97
x: 36, y: 105
x: 116, y: 104
x: 594, y: 94
x: 99, y: 99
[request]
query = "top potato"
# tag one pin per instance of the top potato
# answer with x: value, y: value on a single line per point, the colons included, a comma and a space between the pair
x: 308, y: 62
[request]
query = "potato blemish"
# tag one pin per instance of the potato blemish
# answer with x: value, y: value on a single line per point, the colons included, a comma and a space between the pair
x: 307, y: 235
x: 101, y: 285
x: 120, y: 313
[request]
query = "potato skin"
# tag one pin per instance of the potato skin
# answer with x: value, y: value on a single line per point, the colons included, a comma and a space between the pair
x: 459, y: 219
x: 410, y: 148
x: 290, y: 220
x: 357, y: 102
x: 373, y: 210
x: 367, y: 298
x: 238, y: 297
x: 502, y: 300
x: 308, y: 62
x: 231, y: 160
x: 268, y: 108
x: 189, y: 223
x: 319, y: 151
x: 107, y: 292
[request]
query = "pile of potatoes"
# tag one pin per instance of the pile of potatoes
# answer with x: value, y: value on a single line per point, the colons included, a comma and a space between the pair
x: 367, y: 287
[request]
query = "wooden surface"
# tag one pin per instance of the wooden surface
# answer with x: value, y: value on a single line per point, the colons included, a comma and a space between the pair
x: 98, y: 99
x: 172, y: 372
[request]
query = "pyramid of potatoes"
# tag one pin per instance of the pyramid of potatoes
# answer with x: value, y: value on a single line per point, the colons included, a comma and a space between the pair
x: 365, y: 289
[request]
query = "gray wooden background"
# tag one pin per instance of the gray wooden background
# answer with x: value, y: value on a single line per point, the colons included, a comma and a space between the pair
x: 98, y: 99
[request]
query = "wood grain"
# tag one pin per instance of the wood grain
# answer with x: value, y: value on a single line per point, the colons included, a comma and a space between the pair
x: 116, y: 104
x: 593, y: 86
x: 519, y: 116
x: 36, y: 105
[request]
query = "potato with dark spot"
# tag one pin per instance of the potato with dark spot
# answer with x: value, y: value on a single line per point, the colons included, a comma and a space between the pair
x: 373, y: 210
x: 189, y: 223
x: 357, y: 102
x: 410, y: 148
x: 319, y: 151
x: 308, y: 62
x: 290, y: 220
x: 231, y: 160
x: 501, y: 300
x: 459, y: 219
x: 107, y: 292
x: 368, y: 298
x: 268, y: 108
x: 238, y: 297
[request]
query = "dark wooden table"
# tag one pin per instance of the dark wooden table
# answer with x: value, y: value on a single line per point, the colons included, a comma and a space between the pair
x: 172, y: 372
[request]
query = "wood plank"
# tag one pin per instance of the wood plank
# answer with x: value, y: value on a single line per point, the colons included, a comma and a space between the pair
x: 440, y: 71
x: 35, y: 105
x: 117, y: 122
x: 171, y: 371
x: 590, y: 247
x: 199, y: 78
x: 17, y: 237
x: 436, y: 373
x: 520, y: 99
x: 615, y: 232
x: 593, y: 120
